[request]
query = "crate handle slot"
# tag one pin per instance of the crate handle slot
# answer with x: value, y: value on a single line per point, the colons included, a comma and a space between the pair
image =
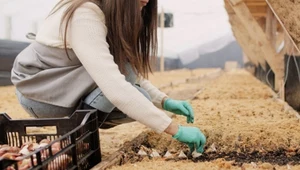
x: 41, y: 130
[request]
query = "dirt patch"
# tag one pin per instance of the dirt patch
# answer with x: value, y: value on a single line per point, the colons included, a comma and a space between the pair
x: 288, y: 12
x: 279, y: 157
x: 160, y: 79
x: 245, y: 126
x: 9, y: 103
x: 110, y: 139
x: 219, y: 164
x: 242, y: 115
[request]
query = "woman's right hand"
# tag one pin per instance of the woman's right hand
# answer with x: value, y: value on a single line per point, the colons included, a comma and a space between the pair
x: 192, y: 136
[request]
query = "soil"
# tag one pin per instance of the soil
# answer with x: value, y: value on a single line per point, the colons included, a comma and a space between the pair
x: 279, y: 157
x: 167, y: 78
x: 9, y: 103
x: 219, y: 164
x: 246, y: 127
x: 288, y: 12
x: 239, y: 113
x: 114, y: 138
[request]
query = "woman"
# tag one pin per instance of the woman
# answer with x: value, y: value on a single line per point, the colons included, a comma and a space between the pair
x: 99, y: 52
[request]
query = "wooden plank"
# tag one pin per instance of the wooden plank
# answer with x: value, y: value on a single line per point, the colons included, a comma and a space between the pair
x: 258, y: 10
x: 254, y: 0
x: 247, y: 43
x: 228, y: 8
x: 262, y: 22
x: 274, y: 29
x: 256, y: 3
x: 271, y: 27
x: 261, y: 39
x: 271, y: 32
x: 281, y: 91
x: 288, y: 45
x: 279, y: 39
x: 235, y: 2
x: 258, y: 15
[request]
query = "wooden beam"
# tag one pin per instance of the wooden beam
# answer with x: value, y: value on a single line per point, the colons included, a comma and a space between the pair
x: 258, y: 15
x: 261, y: 39
x: 262, y: 22
x: 246, y: 42
x: 235, y: 2
x: 263, y: 3
x: 288, y: 45
x: 162, y: 27
x: 271, y: 30
x: 228, y: 8
x: 279, y: 39
x: 251, y: 55
x: 271, y: 27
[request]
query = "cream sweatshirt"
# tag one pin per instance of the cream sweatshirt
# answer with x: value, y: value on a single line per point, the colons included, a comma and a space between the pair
x: 87, y: 38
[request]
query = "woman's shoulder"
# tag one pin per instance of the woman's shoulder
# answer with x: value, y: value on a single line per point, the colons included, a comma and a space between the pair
x: 90, y: 7
x: 89, y: 10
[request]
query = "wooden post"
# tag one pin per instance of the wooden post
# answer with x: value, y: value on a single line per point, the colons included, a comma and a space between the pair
x: 246, y: 59
x: 271, y: 27
x: 260, y: 37
x: 34, y: 27
x: 245, y: 42
x: 162, y: 27
x: 279, y: 40
x: 235, y: 2
x: 7, y: 27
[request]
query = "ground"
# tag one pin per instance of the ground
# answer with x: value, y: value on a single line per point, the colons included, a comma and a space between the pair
x: 243, y: 120
x: 246, y: 126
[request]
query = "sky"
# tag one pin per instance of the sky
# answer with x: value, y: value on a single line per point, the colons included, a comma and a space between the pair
x: 200, y: 26
x: 196, y: 23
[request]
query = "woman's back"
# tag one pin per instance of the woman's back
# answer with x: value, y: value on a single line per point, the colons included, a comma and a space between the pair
x: 50, y: 33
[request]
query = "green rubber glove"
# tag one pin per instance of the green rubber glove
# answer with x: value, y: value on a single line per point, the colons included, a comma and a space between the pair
x: 180, y: 108
x: 191, y: 136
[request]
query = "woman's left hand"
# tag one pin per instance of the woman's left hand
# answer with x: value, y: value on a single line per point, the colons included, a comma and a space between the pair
x: 180, y: 108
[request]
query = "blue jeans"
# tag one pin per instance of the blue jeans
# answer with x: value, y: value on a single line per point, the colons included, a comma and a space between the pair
x: 95, y: 100
x: 109, y: 116
x: 43, y: 110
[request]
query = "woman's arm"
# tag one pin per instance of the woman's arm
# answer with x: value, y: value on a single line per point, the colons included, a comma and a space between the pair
x: 162, y: 101
x: 87, y: 37
x: 157, y: 96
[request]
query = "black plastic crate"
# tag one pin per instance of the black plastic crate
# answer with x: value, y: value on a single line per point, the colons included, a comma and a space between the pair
x: 77, y: 136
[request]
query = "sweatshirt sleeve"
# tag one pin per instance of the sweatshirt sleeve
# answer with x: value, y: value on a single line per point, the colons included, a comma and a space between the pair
x: 87, y: 37
x: 155, y: 94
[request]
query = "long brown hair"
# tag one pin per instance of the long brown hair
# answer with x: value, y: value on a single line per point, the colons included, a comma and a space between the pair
x: 132, y: 33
